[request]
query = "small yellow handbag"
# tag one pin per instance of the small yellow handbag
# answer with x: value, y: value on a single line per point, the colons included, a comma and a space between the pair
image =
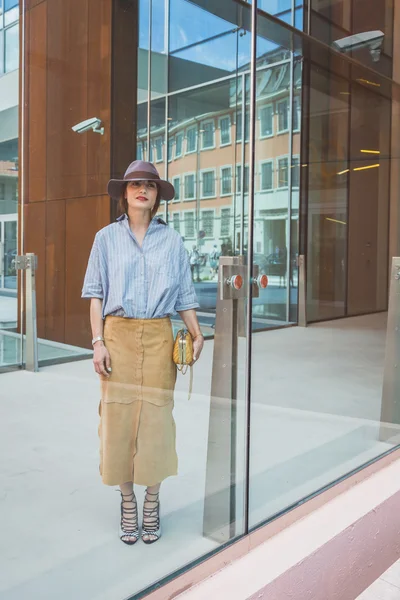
x: 183, y: 354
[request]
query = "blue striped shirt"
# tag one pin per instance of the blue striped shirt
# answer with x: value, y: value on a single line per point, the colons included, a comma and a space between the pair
x: 148, y: 282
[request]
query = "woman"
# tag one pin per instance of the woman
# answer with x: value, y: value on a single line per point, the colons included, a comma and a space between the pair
x: 138, y: 275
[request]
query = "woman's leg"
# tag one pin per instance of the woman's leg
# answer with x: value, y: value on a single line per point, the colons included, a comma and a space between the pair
x: 129, y: 518
x: 151, y: 514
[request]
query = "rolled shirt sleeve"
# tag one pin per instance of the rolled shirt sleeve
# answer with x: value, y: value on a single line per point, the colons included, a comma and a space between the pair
x: 187, y: 298
x: 92, y: 285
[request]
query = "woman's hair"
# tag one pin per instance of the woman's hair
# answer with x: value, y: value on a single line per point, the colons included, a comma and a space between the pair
x: 123, y: 202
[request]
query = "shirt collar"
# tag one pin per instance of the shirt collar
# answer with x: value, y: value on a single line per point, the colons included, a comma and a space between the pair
x: 155, y: 220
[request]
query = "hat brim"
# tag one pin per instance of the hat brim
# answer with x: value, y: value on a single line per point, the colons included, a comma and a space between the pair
x: 115, y: 186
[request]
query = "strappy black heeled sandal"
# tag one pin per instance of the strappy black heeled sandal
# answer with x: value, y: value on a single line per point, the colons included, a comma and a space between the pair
x: 129, y: 527
x: 151, y: 519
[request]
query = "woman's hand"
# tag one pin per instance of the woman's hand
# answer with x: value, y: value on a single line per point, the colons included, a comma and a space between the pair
x: 101, y: 360
x: 198, y: 343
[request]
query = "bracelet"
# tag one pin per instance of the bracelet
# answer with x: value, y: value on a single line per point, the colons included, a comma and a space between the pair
x: 198, y: 335
x: 97, y: 339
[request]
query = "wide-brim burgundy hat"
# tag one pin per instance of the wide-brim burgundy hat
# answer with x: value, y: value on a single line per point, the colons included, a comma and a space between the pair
x: 137, y: 171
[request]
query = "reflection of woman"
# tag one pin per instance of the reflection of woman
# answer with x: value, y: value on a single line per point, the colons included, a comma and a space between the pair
x: 138, y: 275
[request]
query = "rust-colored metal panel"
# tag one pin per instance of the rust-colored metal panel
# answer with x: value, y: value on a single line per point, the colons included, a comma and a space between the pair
x: 99, y: 95
x: 32, y: 3
x: 67, y: 41
x: 34, y: 234
x: 36, y: 131
x: 55, y: 270
x: 83, y: 219
x: 124, y: 87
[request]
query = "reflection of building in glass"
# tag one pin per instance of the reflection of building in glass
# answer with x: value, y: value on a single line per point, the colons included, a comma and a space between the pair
x: 9, y: 41
x: 204, y: 152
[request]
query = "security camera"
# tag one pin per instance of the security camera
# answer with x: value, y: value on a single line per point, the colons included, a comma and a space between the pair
x: 89, y: 124
x: 373, y: 40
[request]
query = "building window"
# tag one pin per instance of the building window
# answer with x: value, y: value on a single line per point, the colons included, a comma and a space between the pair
x: 296, y: 172
x: 145, y: 151
x: 283, y: 112
x: 207, y: 223
x: 170, y: 148
x: 225, y: 131
x: 189, y: 224
x: 191, y: 139
x: 266, y: 176
x: 266, y: 121
x: 207, y: 135
x: 158, y: 145
x: 239, y: 179
x: 178, y: 145
x: 189, y: 187
x: 176, y: 182
x: 296, y: 113
x: 139, y: 151
x: 208, y: 184
x: 283, y: 172
x: 225, y: 221
x: 2, y: 192
x: 226, y: 181
x: 176, y: 223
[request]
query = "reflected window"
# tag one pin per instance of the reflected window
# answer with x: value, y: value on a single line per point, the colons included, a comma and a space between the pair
x: 266, y: 121
x: 207, y: 223
x: 11, y: 12
x: 283, y: 113
x: 189, y: 186
x: 189, y: 224
x: 207, y: 135
x: 225, y: 221
x: 139, y: 151
x: 1, y: 51
x: 158, y: 145
x: 208, y: 184
x: 296, y: 172
x: 176, y: 182
x: 267, y: 176
x: 239, y: 126
x: 11, y: 44
x: 225, y: 131
x: 283, y: 172
x: 226, y: 181
x: 239, y: 179
x: 178, y: 145
x: 170, y: 149
x: 176, y: 223
x: 296, y: 113
x: 191, y: 139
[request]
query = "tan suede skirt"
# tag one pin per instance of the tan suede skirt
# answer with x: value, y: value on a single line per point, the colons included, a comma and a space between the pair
x: 137, y: 429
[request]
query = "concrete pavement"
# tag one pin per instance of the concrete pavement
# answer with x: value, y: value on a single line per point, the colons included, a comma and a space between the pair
x: 315, y: 417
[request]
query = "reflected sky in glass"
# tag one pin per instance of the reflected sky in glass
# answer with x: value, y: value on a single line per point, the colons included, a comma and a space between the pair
x: 202, y: 37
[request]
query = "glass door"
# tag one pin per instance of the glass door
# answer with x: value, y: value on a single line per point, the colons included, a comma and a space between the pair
x: 10, y: 342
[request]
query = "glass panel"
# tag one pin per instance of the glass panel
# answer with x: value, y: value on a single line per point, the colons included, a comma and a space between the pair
x: 216, y: 47
x: 10, y: 339
x: 11, y: 48
x: 308, y: 426
x: 2, y: 66
x: 328, y: 170
x: 11, y: 11
x: 272, y: 193
x: 335, y: 20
